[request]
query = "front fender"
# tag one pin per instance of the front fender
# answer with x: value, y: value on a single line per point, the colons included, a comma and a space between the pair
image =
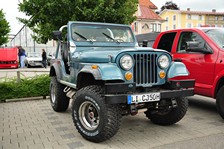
x: 59, y: 68
x: 110, y: 72
x: 177, y: 69
x: 104, y: 72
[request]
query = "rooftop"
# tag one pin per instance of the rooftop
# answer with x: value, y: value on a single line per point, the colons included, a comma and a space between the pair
x: 147, y: 13
x: 202, y: 12
x: 188, y: 11
x: 147, y: 3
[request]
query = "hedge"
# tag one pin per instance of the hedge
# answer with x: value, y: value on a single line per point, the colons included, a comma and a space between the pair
x: 28, y: 87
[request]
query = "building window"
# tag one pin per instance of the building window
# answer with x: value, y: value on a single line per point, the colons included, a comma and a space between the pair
x: 159, y: 27
x: 189, y: 16
x: 154, y: 27
x: 136, y: 27
x: 188, y: 25
x: 200, y: 17
x: 216, y: 17
x: 167, y: 28
x: 167, y: 19
x: 174, y: 26
x: 174, y: 18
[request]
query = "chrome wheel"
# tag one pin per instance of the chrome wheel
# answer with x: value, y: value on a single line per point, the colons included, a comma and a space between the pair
x: 52, y: 94
x: 89, y: 115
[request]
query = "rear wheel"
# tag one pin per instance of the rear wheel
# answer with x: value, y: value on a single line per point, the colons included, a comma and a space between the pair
x: 59, y: 100
x: 169, y: 116
x: 220, y: 102
x: 95, y: 120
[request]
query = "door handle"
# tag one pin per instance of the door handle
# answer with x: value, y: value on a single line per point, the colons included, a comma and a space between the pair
x: 177, y: 60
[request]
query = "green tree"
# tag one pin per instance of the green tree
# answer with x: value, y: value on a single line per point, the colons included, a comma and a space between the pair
x: 169, y: 5
x: 4, y: 28
x: 49, y: 15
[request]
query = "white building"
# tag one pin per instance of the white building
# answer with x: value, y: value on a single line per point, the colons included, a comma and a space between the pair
x: 24, y: 38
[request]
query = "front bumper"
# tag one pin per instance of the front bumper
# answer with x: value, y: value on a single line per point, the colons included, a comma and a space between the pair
x: 118, y: 92
x: 35, y: 63
x: 8, y: 65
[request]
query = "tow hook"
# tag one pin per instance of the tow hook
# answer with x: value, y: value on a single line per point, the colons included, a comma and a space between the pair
x: 69, y: 92
x: 134, y: 109
x: 174, y: 102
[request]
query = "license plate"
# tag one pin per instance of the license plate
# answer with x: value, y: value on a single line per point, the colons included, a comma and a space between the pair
x: 143, y: 98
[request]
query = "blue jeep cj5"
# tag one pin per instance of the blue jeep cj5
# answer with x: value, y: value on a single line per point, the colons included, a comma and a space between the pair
x: 107, y: 75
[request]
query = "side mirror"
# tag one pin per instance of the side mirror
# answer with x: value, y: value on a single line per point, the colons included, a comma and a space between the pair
x: 57, y: 35
x: 194, y: 46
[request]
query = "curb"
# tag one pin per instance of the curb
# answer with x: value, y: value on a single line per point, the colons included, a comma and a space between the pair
x: 25, y: 99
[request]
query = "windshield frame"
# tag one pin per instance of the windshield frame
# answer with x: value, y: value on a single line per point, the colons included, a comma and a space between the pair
x: 91, y: 42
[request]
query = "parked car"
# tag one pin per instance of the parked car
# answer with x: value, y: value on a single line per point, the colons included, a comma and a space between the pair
x: 105, y: 72
x: 9, y: 57
x: 33, y: 59
x: 202, y: 51
x: 50, y: 56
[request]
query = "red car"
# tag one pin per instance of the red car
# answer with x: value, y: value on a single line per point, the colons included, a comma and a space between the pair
x: 202, y: 51
x: 9, y: 57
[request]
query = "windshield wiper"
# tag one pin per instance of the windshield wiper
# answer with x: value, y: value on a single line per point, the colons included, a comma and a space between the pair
x: 111, y: 38
x: 83, y: 37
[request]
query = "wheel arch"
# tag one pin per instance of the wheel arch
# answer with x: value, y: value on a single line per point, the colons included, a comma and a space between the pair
x: 87, y: 78
x: 54, y: 71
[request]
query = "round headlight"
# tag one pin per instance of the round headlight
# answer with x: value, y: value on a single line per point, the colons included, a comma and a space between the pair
x: 163, y: 61
x: 126, y: 62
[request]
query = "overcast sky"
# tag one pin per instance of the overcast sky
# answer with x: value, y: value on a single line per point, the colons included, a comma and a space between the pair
x: 197, y: 5
x: 10, y: 8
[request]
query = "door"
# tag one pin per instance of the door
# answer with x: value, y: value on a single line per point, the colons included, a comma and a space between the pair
x: 201, y: 66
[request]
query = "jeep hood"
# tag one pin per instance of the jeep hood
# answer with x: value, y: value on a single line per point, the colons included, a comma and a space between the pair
x: 103, y: 54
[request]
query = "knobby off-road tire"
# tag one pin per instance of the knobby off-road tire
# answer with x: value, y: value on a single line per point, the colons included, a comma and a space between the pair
x: 170, y: 117
x: 95, y: 120
x: 59, y: 100
x: 220, y: 102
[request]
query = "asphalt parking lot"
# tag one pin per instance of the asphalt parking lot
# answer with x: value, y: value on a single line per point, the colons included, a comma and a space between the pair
x: 33, y: 124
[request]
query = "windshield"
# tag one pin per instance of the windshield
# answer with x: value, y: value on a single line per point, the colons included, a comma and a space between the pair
x: 217, y: 35
x: 101, y: 33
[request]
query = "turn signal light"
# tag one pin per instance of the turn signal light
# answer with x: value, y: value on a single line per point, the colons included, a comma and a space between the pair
x: 128, y: 76
x: 94, y: 66
x: 162, y: 74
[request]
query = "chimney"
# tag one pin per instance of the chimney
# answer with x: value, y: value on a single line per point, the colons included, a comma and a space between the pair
x: 213, y: 10
x: 188, y: 9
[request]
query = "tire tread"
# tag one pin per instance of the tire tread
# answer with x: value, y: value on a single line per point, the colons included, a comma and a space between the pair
x: 175, y: 115
x: 62, y: 101
x: 112, y: 112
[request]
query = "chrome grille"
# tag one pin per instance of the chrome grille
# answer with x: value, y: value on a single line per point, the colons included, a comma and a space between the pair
x: 145, y: 69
